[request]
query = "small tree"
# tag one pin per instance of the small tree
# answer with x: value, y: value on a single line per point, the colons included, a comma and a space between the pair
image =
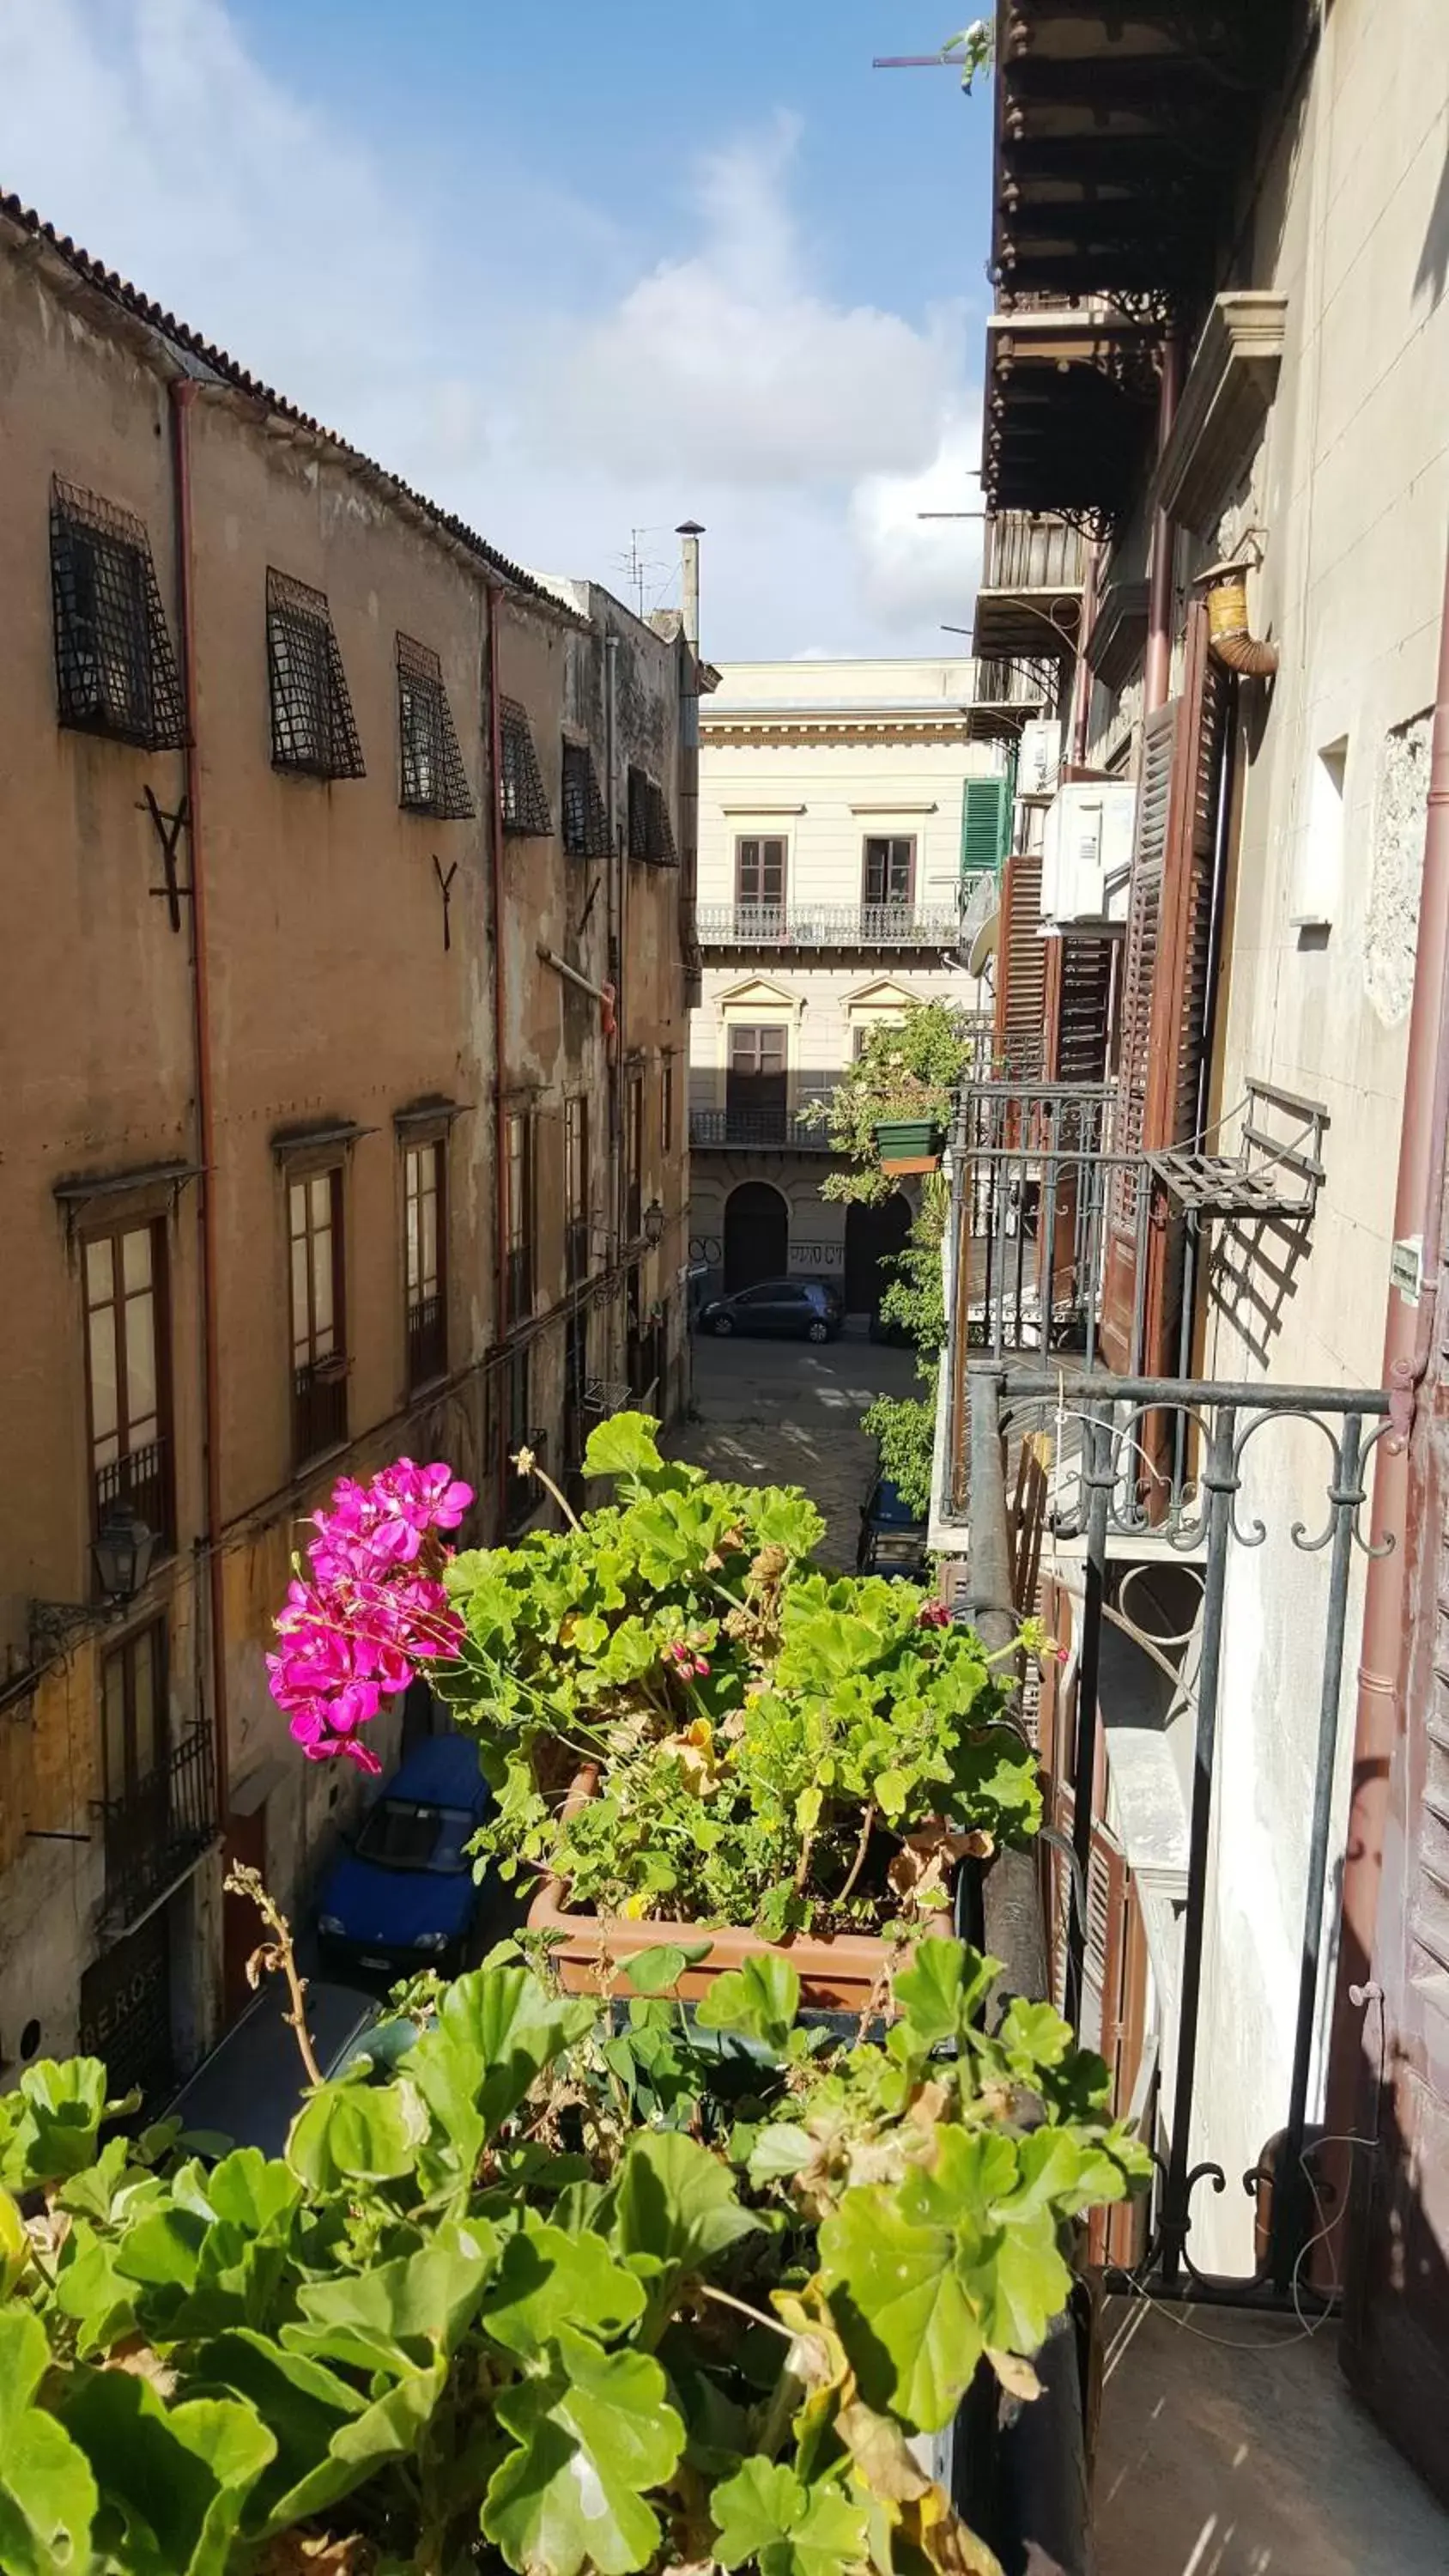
x: 909, y: 1070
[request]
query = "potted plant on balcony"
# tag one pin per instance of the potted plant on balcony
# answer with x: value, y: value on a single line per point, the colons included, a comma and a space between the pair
x: 694, y: 1734
x: 556, y: 2289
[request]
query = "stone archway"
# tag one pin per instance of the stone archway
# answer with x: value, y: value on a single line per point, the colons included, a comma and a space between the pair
x: 872, y: 1236
x: 756, y: 1235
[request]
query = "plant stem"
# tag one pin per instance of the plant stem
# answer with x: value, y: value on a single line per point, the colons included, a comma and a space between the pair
x: 802, y: 1866
x: 857, y: 1864
x: 278, y: 1953
x: 757, y: 2316
x: 528, y: 1465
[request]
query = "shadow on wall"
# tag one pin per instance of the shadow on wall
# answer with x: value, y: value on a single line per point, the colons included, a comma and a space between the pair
x: 1252, y: 1277
x: 1432, y: 273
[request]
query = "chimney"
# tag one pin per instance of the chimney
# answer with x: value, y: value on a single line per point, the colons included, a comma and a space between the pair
x: 690, y: 534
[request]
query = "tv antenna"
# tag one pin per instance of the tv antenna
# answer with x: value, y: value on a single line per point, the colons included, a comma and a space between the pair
x: 637, y: 567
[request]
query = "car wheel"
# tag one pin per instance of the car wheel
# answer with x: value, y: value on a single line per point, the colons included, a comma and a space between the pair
x: 818, y: 1331
x: 724, y: 1324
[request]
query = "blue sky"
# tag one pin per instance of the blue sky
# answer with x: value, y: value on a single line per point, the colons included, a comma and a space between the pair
x: 573, y: 270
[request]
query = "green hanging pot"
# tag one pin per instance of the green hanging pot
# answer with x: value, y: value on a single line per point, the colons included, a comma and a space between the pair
x: 910, y: 1144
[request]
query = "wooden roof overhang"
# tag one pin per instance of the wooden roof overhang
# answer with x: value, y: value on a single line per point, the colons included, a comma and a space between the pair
x: 1120, y: 125
x: 1070, y: 398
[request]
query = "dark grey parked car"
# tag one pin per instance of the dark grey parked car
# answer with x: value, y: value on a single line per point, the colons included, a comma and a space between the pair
x: 801, y: 1309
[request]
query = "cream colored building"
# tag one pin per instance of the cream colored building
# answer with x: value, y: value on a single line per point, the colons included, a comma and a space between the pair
x: 846, y: 810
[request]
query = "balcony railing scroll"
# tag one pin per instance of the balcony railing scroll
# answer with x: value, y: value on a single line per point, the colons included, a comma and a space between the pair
x: 1260, y: 1501
x: 158, y: 1831
x: 319, y: 1406
x: 140, y: 1482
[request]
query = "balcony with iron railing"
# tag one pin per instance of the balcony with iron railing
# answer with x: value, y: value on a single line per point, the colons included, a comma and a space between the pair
x: 847, y: 926
x: 319, y: 1407
x: 760, y: 1131
x: 139, y: 1483
x: 1033, y: 571
x: 158, y: 1831
x: 427, y: 1340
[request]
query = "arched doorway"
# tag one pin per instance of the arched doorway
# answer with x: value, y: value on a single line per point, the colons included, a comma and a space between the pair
x: 756, y: 1235
x: 872, y: 1236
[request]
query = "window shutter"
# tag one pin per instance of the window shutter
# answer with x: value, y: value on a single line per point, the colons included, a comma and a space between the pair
x: 1139, y: 974
x: 1077, y: 1033
x: 985, y: 814
x: 1020, y: 970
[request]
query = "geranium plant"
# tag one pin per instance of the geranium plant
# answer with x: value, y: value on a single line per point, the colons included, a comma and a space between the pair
x: 773, y: 1746
x: 572, y: 2286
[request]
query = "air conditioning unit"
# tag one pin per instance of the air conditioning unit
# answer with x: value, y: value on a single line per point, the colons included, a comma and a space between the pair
x: 1039, y: 757
x: 1087, y: 853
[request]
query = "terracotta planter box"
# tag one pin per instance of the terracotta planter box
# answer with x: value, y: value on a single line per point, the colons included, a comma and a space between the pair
x: 838, y: 1971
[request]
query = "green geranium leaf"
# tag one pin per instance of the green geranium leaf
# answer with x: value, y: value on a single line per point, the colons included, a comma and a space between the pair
x: 389, y: 2429
x: 677, y: 2202
x: 657, y: 1971
x: 497, y: 2030
x: 766, y: 2515
x: 55, y: 2123
x: 942, y: 1991
x: 252, y: 2191
x: 594, y: 2436
x: 779, y: 2150
x: 548, y: 2279
x: 760, y: 2000
x: 623, y: 1446
x: 178, y: 2477
x: 356, y: 2132
x: 395, y: 2316
x: 48, y: 2496
x: 907, y: 2320
x: 14, y: 2244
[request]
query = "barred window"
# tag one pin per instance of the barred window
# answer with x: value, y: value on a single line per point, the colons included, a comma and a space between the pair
x: 651, y: 835
x: 585, y: 820
x: 114, y: 668
x: 525, y: 806
x: 312, y: 722
x: 433, y: 779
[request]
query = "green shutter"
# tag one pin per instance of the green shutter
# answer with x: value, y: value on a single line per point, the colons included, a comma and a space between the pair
x: 985, y: 822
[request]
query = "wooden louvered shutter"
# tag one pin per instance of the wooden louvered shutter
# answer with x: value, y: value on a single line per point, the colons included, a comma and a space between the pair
x: 1180, y: 996
x: 1020, y: 970
x: 985, y: 815
x: 1139, y: 975
x: 1077, y: 1049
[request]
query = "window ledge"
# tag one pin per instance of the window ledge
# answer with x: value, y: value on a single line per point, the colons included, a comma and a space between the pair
x: 1225, y: 400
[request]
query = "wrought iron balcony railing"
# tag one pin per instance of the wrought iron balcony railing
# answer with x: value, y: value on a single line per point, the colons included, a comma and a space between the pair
x: 1244, y: 1503
x: 829, y: 925
x: 1026, y: 550
x: 140, y: 1483
x: 156, y: 1833
x: 757, y: 1130
x: 319, y: 1407
x: 427, y: 1340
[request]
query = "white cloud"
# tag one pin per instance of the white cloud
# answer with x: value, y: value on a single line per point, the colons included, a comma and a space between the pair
x: 715, y: 380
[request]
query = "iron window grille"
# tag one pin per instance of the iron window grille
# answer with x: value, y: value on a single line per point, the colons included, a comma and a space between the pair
x: 585, y: 819
x: 114, y: 668
x: 313, y: 729
x: 432, y: 777
x: 651, y: 834
x: 525, y: 806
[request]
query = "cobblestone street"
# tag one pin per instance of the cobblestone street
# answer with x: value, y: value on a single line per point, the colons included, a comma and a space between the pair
x: 789, y: 1413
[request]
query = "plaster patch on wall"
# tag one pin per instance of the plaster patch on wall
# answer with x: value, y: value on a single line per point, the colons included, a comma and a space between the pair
x: 1400, y: 804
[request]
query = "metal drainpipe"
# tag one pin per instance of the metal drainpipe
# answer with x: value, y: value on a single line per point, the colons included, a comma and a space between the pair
x: 1408, y: 1331
x: 183, y: 394
x: 501, y: 1315
x: 1157, y: 668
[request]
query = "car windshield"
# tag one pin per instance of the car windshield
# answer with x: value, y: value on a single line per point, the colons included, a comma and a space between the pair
x: 400, y: 1834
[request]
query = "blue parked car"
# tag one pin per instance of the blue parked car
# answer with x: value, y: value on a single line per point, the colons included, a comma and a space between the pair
x: 404, y: 1897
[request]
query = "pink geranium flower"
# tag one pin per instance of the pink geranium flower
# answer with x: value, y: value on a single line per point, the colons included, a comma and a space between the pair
x: 375, y: 1612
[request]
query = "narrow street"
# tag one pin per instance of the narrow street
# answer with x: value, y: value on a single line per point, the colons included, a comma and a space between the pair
x: 789, y: 1412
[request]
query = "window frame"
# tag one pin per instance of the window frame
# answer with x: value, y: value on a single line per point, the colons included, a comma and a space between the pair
x: 128, y: 1793
x: 761, y: 902
x: 521, y: 1192
x: 577, y: 1181
x: 666, y: 1110
x: 131, y: 644
x: 314, y: 731
x: 327, y: 1369
x: 422, y: 708
x: 426, y: 1336
x: 158, y: 1288
x: 888, y: 842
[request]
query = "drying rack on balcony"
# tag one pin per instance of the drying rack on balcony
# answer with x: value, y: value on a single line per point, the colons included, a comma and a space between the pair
x: 1271, y: 1175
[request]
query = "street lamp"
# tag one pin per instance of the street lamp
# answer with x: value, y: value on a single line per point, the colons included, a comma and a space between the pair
x: 123, y: 1550
x: 654, y: 1225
